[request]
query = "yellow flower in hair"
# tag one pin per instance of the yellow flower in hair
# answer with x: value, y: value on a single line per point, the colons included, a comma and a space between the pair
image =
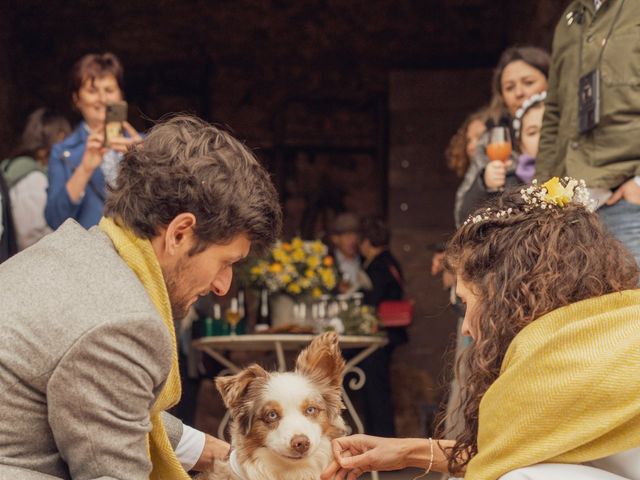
x: 557, y: 193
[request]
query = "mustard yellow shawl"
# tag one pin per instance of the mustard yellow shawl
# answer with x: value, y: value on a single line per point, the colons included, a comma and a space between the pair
x: 138, y: 254
x: 568, y: 390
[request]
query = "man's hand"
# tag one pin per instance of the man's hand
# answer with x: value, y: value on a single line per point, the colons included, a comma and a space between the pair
x: 214, y: 449
x: 629, y: 191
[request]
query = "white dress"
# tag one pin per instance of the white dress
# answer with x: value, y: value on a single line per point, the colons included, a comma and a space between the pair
x: 621, y: 466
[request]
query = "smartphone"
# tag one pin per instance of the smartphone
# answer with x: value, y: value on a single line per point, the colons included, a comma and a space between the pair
x: 116, y: 114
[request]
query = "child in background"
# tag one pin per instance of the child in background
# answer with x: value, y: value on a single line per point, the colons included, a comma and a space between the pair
x: 527, y: 126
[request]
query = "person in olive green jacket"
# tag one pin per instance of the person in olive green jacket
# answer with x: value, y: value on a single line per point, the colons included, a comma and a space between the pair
x: 603, y: 35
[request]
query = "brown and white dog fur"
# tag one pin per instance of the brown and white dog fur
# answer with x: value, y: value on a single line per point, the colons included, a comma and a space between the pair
x: 282, y: 424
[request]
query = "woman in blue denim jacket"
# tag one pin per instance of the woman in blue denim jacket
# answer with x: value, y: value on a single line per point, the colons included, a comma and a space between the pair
x: 81, y: 166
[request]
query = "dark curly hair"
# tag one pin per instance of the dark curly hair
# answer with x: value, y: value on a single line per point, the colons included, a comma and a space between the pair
x: 187, y: 165
x: 522, y: 266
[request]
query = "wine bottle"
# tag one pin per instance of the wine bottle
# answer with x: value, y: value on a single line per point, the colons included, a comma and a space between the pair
x: 218, y: 325
x: 264, y: 313
x: 242, y: 309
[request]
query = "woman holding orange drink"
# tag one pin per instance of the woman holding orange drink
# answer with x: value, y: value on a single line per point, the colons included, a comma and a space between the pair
x: 521, y: 72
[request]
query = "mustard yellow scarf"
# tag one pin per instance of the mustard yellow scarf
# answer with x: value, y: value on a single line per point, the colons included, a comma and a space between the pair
x: 138, y: 254
x: 568, y: 391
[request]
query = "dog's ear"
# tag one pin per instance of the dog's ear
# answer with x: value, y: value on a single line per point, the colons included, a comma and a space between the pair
x: 322, y: 363
x: 239, y: 391
x: 322, y: 360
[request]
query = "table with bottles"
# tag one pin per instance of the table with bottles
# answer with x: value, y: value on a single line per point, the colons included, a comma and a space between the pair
x: 219, y: 335
x: 216, y: 346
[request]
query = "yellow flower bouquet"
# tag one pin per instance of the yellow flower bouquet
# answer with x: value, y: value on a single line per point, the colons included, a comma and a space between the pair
x: 297, y: 268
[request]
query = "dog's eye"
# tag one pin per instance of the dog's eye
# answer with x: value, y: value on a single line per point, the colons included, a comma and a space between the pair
x: 272, y: 416
x: 311, y: 410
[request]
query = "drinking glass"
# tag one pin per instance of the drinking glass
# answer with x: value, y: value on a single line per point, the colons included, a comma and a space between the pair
x: 232, y: 316
x: 499, y: 147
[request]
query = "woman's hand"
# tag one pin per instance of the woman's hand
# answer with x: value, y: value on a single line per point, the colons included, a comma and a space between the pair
x: 357, y: 454
x: 121, y: 144
x: 437, y: 266
x: 495, y: 174
x: 437, y: 263
x: 93, y: 152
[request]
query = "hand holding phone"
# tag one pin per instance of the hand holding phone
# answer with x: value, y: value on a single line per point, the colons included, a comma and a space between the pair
x: 116, y: 115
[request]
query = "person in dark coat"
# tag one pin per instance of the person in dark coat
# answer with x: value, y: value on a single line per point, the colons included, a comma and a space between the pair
x: 385, y: 274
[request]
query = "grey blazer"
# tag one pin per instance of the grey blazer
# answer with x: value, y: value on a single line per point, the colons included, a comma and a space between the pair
x: 83, y: 356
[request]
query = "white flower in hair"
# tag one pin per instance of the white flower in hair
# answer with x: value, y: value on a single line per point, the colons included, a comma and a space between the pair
x: 555, y: 193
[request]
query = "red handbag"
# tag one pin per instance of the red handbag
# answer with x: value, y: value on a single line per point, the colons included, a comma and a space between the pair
x: 396, y: 313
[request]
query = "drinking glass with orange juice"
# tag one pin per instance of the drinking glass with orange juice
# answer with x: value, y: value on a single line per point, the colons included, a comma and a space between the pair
x: 499, y: 147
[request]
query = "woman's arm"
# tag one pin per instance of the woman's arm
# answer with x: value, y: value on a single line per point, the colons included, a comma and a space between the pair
x: 59, y: 206
x: 67, y: 185
x: 91, y: 159
x: 419, y: 454
x: 363, y: 453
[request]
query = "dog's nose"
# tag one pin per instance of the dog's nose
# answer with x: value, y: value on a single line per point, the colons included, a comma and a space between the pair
x: 300, y: 443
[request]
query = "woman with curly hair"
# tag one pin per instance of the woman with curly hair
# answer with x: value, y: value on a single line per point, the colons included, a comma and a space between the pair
x: 462, y: 146
x: 554, y: 368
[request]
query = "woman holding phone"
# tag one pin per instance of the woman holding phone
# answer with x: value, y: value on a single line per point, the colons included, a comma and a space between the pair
x: 82, y: 165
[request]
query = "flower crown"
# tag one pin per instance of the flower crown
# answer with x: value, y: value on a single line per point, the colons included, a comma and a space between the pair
x: 553, y: 194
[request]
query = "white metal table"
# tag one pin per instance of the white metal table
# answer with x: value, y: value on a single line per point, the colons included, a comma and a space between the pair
x: 216, y: 346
